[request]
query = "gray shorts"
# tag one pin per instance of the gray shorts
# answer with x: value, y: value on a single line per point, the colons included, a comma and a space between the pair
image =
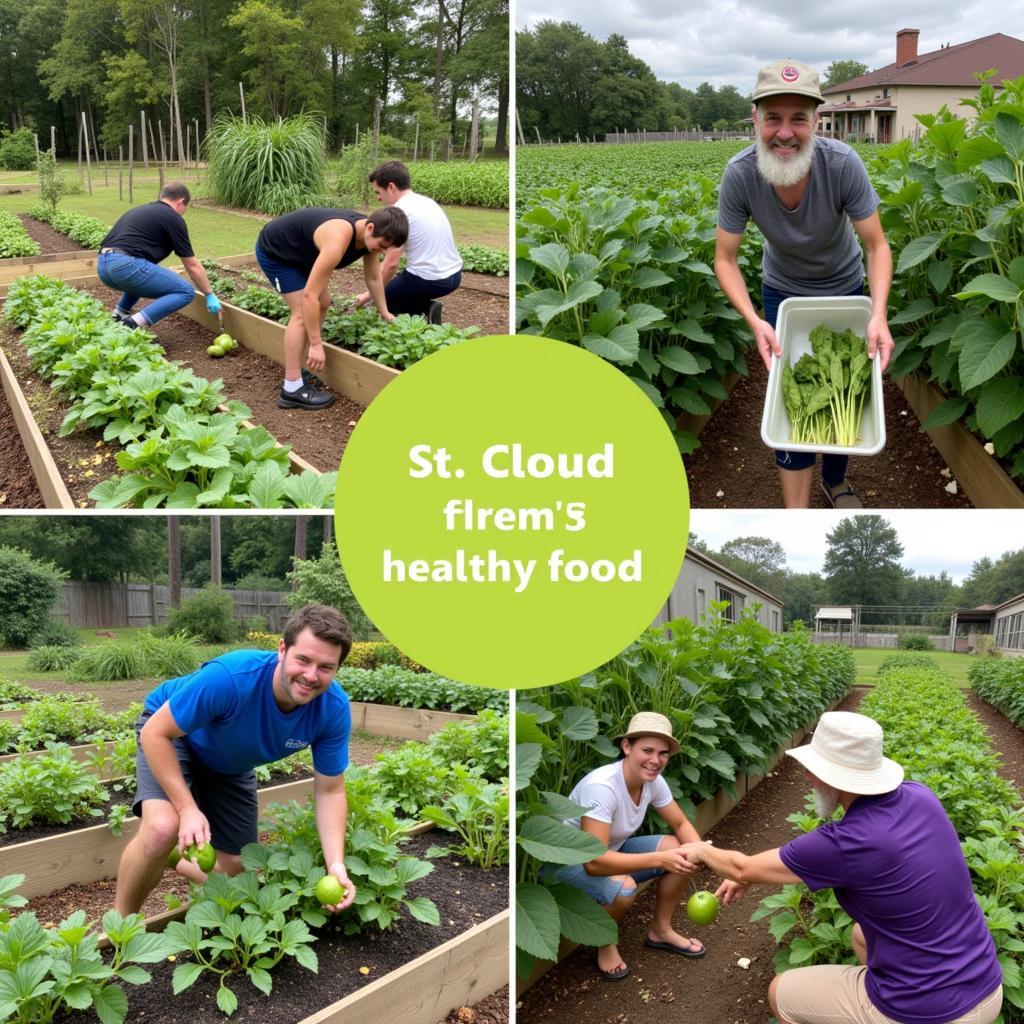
x: 228, y: 801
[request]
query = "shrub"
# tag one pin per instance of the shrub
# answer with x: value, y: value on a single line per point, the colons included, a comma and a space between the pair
x: 899, y: 661
x: 52, y: 658
x: 108, y: 661
x: 52, y: 184
x: 18, y: 150
x: 28, y: 590
x: 323, y: 581
x: 208, y: 617
x: 53, y: 788
x: 168, y: 656
x: 985, y: 645
x: 913, y: 642
x: 54, y: 633
x: 262, y: 641
x: 273, y: 167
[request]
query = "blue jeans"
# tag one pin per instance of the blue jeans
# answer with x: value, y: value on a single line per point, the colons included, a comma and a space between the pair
x: 833, y: 467
x: 139, y: 279
x: 407, y: 293
x: 605, y: 889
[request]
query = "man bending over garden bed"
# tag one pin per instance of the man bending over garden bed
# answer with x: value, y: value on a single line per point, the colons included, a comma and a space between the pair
x: 895, y: 864
x: 433, y: 267
x: 298, y: 252
x: 142, y: 238
x: 201, y: 735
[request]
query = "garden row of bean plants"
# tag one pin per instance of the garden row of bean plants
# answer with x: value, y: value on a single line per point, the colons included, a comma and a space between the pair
x: 179, y: 451
x: 734, y: 692
x: 1001, y: 683
x: 932, y: 733
x: 463, y: 182
x: 951, y: 211
x: 79, y: 227
x: 628, y: 276
x: 14, y: 239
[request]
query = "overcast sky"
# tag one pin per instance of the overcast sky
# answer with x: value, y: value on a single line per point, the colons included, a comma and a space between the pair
x: 724, y: 42
x: 932, y: 539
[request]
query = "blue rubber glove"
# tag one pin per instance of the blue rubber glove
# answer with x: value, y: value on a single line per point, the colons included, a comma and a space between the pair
x: 212, y: 304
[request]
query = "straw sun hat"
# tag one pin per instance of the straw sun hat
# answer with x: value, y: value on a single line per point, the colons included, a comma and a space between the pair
x: 650, y: 723
x: 845, y: 752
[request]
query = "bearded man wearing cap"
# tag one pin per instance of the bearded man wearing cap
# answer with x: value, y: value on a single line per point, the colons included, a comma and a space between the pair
x: 616, y: 797
x: 895, y: 864
x: 803, y: 192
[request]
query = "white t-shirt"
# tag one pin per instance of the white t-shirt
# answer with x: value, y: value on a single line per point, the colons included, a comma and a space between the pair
x: 430, y: 250
x: 604, y: 791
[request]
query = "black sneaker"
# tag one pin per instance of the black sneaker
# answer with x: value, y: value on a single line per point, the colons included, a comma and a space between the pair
x: 307, y: 397
x: 310, y: 379
x: 434, y: 312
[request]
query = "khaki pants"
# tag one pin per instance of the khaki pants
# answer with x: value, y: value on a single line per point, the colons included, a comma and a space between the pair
x: 836, y: 994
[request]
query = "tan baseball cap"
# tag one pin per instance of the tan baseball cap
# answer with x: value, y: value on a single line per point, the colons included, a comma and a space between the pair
x: 788, y: 78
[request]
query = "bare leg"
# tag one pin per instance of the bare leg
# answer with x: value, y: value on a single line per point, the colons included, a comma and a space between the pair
x: 670, y: 891
x: 296, y: 341
x: 145, y: 857
x: 796, y: 487
x: 608, y: 957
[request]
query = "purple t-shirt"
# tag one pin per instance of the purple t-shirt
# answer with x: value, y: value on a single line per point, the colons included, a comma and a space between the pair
x: 897, y: 869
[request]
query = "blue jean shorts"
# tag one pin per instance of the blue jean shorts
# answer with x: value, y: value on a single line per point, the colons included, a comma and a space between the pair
x: 283, y: 277
x: 605, y: 889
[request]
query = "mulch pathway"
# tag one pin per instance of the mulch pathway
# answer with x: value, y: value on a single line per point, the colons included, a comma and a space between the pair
x: 733, y: 468
x: 50, y: 241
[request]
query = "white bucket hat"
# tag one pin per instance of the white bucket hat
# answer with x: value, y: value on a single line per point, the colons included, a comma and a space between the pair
x: 845, y: 752
x: 650, y: 723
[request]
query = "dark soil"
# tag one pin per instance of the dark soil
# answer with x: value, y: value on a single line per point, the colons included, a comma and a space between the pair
x: 465, y: 897
x: 492, y: 1010
x: 50, y: 241
x: 1005, y: 737
x: 17, y: 481
x: 664, y: 987
x: 733, y: 468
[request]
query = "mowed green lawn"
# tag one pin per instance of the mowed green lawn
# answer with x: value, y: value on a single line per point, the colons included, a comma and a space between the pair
x: 868, y: 659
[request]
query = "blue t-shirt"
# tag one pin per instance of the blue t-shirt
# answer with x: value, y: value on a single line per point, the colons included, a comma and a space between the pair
x: 897, y: 869
x: 228, y: 712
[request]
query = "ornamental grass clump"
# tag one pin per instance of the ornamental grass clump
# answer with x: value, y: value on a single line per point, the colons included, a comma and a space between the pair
x: 825, y: 391
x: 273, y: 167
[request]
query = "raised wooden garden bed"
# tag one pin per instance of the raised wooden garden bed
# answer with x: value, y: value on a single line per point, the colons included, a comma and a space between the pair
x: 53, y: 264
x: 984, y: 481
x: 709, y: 814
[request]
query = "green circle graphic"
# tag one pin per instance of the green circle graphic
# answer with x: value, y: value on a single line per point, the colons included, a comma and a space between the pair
x: 512, y: 511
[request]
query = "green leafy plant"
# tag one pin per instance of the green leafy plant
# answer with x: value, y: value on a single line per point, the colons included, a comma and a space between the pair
x: 913, y: 642
x: 14, y: 239
x: 481, y: 745
x: 322, y: 580
x: 481, y: 259
x: 407, y: 339
x: 18, y: 149
x: 208, y: 616
x: 46, y: 973
x: 411, y: 777
x: 263, y: 302
x: 406, y: 687
x: 28, y: 590
x: 53, y: 788
x: 52, y: 184
x: 237, y: 928
x: 52, y: 659
x: 477, y: 811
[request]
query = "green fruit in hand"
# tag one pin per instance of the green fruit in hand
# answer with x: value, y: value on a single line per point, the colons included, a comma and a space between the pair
x: 329, y: 891
x: 702, y: 907
x: 173, y: 857
x: 204, y: 856
x: 215, y: 350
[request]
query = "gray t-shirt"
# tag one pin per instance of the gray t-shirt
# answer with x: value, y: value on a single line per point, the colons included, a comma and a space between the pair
x: 813, y: 249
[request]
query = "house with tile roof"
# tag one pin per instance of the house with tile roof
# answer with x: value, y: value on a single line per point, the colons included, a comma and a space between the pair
x: 881, y: 105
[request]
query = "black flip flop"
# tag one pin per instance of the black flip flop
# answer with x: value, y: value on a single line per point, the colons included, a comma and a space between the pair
x: 840, y: 498
x: 669, y: 947
x: 613, y: 975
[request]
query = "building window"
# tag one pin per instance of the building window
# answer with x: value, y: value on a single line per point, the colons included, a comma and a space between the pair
x: 885, y: 94
x: 775, y: 620
x: 735, y: 599
x: 849, y: 98
x: 1010, y: 632
x: 700, y: 605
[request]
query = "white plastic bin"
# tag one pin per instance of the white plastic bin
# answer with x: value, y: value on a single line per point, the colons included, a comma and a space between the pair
x: 797, y: 318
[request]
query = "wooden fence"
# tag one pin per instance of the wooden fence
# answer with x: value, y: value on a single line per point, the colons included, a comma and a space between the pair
x: 106, y: 605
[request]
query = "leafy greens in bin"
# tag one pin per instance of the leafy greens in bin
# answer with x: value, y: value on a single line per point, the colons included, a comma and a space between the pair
x: 825, y: 391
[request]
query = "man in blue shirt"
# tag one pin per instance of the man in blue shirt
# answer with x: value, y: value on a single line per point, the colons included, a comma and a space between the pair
x: 200, y: 736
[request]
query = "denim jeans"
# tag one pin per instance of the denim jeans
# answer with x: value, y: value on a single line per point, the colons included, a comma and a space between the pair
x: 140, y: 279
x: 833, y: 467
x: 407, y: 293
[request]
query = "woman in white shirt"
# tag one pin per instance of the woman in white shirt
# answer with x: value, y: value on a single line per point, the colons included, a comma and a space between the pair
x: 618, y: 796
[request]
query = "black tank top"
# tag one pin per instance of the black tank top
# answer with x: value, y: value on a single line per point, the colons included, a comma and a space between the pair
x: 289, y: 239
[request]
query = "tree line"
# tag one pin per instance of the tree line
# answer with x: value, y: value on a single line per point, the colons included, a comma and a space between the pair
x: 568, y: 83
x: 862, y: 566
x: 414, y: 66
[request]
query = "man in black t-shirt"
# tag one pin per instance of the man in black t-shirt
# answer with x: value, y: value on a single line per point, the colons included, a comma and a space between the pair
x: 134, y: 246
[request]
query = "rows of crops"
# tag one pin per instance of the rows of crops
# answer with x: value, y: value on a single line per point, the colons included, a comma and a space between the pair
x: 615, y: 244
